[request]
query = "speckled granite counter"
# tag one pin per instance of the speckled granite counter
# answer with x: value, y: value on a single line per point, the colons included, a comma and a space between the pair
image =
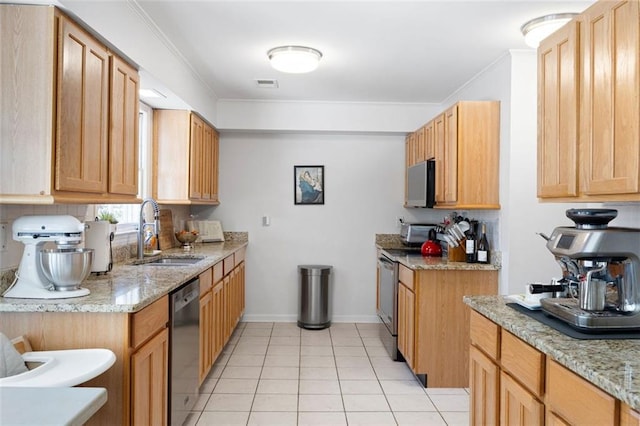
x: 129, y: 287
x: 612, y: 365
x: 417, y: 261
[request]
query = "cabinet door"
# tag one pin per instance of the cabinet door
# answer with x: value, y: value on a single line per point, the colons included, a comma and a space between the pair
x: 215, y: 155
x: 123, y: 128
x: 439, y: 141
x: 82, y: 111
x: 484, y: 382
x: 558, y: 113
x: 611, y: 112
x: 207, y: 336
x: 628, y: 416
x: 406, y: 327
x: 149, y: 381
x: 207, y: 161
x: 517, y: 406
x: 218, y: 318
x: 420, y: 145
x: 450, y: 160
x: 429, y: 141
x: 196, y: 157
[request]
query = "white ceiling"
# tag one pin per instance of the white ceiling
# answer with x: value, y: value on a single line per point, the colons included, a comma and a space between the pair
x: 373, y: 51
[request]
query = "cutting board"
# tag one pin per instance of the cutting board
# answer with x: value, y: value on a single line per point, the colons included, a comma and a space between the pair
x: 166, y: 239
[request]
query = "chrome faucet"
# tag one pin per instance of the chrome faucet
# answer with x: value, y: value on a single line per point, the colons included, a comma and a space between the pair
x: 142, y: 224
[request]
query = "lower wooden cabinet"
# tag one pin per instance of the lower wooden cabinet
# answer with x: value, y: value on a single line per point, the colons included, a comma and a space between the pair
x: 526, y: 388
x: 433, y: 332
x: 484, y: 383
x: 221, y: 307
x: 517, y: 405
x: 149, y: 381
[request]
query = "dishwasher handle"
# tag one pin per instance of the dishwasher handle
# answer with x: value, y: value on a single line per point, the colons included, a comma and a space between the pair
x: 186, y: 295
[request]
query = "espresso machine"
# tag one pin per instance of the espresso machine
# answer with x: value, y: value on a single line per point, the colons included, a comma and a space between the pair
x: 599, y: 290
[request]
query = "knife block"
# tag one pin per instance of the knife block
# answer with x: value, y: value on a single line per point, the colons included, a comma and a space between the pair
x: 456, y: 254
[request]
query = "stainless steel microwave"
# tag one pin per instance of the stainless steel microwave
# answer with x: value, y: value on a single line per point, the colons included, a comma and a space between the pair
x: 421, y: 184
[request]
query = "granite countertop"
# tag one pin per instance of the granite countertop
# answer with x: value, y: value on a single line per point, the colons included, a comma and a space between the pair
x: 612, y: 365
x: 130, y: 287
x: 416, y: 261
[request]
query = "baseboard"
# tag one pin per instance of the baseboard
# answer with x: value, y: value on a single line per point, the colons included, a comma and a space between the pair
x: 294, y: 318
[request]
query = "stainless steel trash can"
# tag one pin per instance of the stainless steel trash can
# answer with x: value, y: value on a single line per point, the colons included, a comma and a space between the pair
x: 314, y: 296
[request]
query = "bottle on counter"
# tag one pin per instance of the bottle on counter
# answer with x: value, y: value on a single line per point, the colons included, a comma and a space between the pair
x: 470, y: 245
x: 482, y: 253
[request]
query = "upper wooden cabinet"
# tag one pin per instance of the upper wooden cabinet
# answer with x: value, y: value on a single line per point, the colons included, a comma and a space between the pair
x: 68, y: 119
x: 606, y: 71
x: 185, y: 158
x: 465, y: 142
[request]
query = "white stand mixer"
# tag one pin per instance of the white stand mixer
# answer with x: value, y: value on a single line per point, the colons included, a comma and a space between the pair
x: 34, y: 232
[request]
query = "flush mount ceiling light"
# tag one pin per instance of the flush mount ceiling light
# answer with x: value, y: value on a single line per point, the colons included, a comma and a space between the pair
x: 294, y: 59
x: 538, y: 29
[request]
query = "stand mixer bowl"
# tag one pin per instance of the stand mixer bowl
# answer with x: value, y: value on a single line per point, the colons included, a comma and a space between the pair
x: 66, y: 268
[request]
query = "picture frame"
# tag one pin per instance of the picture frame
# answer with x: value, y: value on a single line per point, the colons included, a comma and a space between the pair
x: 308, y: 185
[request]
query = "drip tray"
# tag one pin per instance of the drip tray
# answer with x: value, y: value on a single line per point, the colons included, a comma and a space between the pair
x: 566, y: 329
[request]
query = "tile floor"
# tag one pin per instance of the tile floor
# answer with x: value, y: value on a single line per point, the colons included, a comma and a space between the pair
x: 280, y: 374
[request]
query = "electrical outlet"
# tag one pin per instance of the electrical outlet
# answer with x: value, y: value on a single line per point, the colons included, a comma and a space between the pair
x: 3, y: 236
x: 399, y: 220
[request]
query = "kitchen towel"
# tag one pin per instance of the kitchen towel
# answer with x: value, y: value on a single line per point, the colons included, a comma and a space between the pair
x: 11, y: 362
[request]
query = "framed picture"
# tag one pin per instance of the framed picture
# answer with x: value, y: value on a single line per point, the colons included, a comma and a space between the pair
x: 308, y: 184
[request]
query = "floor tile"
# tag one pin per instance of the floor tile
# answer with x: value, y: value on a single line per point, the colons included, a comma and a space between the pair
x: 282, y: 361
x: 402, y: 387
x: 371, y: 419
x: 263, y: 418
x: 275, y: 402
x: 360, y: 387
x: 317, y: 350
x: 285, y: 341
x: 317, y: 361
x: 398, y: 372
x: 321, y: 419
x: 352, y: 361
x: 410, y: 403
x: 256, y: 332
x: 288, y: 386
x: 241, y: 372
x: 280, y: 372
x: 450, y: 402
x: 365, y: 403
x: 349, y: 351
x: 236, y: 386
x: 456, y: 418
x: 319, y: 387
x: 356, y: 373
x: 239, y: 360
x: 320, y: 403
x: 283, y: 350
x: 214, y: 418
x: 229, y: 402
x: 419, y: 419
x: 318, y: 373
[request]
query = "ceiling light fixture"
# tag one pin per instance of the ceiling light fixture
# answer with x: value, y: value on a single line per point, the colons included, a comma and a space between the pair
x: 151, y: 93
x: 294, y: 59
x: 540, y: 28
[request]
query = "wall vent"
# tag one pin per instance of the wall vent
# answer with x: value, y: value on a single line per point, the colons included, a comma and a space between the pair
x: 267, y: 83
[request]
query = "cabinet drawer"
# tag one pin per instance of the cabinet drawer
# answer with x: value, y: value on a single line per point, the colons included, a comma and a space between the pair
x: 239, y: 256
x: 147, y: 322
x: 229, y: 264
x: 218, y: 272
x: 485, y: 334
x: 628, y: 416
x: 406, y: 277
x: 523, y: 362
x: 206, y: 281
x: 577, y: 401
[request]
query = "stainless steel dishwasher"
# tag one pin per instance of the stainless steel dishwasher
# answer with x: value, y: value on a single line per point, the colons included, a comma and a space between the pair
x: 183, y: 358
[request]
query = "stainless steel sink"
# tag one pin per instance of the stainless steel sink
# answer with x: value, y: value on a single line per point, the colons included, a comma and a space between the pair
x: 173, y: 261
